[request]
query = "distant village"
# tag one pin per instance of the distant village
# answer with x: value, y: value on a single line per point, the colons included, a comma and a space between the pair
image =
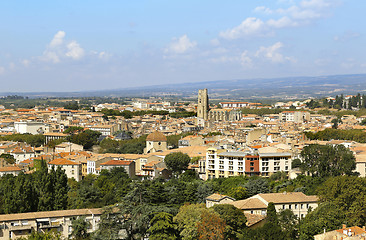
x: 221, y: 140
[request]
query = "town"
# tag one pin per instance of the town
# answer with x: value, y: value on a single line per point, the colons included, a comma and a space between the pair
x: 185, y: 169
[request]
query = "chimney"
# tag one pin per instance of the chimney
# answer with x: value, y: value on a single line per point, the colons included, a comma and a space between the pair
x: 364, y: 228
x: 344, y: 226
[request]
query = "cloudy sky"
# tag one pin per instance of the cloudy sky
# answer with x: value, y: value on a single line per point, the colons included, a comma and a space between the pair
x: 73, y: 45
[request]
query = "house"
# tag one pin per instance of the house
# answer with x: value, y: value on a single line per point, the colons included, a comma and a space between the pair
x: 155, y: 169
x: 217, y: 198
x: 13, y: 226
x: 155, y: 142
x: 68, y: 147
x: 14, y: 170
x: 106, y: 130
x: 129, y: 166
x: 31, y: 127
x: 297, y: 202
x: 345, y: 233
x: 72, y: 169
x: 54, y: 136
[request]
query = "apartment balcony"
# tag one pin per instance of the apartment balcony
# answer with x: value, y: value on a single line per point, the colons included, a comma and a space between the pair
x: 20, y: 227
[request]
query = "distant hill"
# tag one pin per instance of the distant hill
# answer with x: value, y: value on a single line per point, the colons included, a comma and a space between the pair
x: 274, y: 88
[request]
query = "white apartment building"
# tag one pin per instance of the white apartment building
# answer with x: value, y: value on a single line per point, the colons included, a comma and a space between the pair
x: 31, y: 127
x: 221, y: 163
x: 295, y: 116
x: 19, y: 225
x: 270, y: 163
x: 72, y: 169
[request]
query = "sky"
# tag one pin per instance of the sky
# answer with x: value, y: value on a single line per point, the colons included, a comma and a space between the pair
x: 68, y: 45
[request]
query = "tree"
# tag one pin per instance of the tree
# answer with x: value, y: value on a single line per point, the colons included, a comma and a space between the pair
x: 326, y: 216
x: 8, y: 158
x: 257, y: 185
x: 177, y: 161
x: 327, y: 160
x: 80, y: 229
x: 187, y: 218
x: 211, y: 227
x: 288, y: 223
x: 43, y: 236
x: 61, y: 190
x: 296, y: 163
x: 347, y: 194
x: 335, y: 122
x: 111, y: 223
x: 234, y: 218
x: 238, y: 193
x: 271, y: 229
x: 162, y: 227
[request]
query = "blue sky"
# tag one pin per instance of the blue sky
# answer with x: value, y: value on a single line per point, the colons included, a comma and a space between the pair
x: 91, y: 45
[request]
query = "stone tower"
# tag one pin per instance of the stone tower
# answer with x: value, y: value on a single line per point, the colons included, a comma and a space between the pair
x: 202, y: 108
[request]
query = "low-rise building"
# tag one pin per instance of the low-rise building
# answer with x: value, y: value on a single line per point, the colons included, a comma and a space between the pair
x: 13, y: 226
x: 14, y: 170
x: 217, y: 198
x: 297, y: 202
x: 72, y: 169
x: 129, y: 166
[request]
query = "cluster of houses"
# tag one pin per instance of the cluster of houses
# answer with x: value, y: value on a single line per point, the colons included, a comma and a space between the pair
x: 244, y: 144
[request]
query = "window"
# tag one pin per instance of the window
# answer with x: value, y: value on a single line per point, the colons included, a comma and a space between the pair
x: 252, y: 164
x: 284, y: 206
x: 72, y: 172
x: 252, y: 212
x: 307, y: 205
x: 252, y: 169
x: 289, y: 206
x: 295, y: 206
x: 302, y: 206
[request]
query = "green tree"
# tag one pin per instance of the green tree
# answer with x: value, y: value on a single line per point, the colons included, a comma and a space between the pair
x: 177, y: 161
x: 238, y: 193
x: 110, y: 225
x: 162, y: 227
x: 289, y: 224
x: 8, y: 158
x: 188, y: 217
x: 271, y: 229
x: 234, y: 218
x: 296, y: 163
x: 347, y: 194
x: 326, y: 216
x: 61, y: 190
x: 43, y: 236
x: 257, y: 185
x: 327, y: 160
x: 80, y: 229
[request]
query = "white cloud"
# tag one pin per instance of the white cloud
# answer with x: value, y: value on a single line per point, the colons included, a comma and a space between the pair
x: 2, y: 70
x: 215, y: 42
x: 282, y: 22
x: 317, y: 3
x: 346, y: 36
x: 58, y: 39
x: 263, y: 9
x: 180, y: 45
x: 272, y: 53
x: 250, y: 26
x: 25, y: 62
x: 74, y: 50
x: 58, y: 49
x: 295, y: 15
x: 245, y: 60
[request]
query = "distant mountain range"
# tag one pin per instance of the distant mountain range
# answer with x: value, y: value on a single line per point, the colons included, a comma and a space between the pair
x: 274, y: 88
